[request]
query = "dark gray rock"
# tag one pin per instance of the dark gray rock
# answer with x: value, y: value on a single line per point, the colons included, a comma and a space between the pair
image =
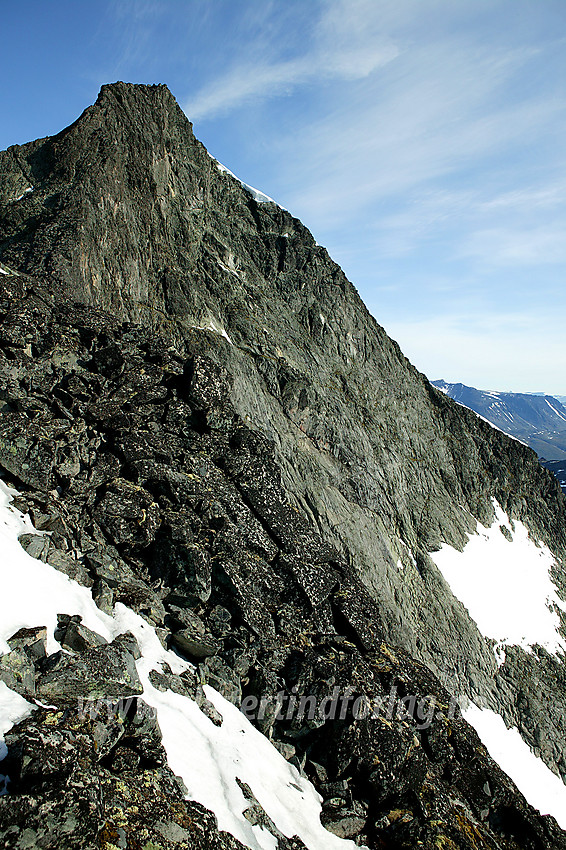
x: 346, y: 826
x: 74, y: 636
x: 72, y: 567
x: 221, y: 677
x: 186, y: 618
x: 128, y: 513
x: 257, y: 816
x: 194, y: 645
x: 100, y: 673
x: 35, y: 545
x: 103, y: 595
x: 129, y: 643
x: 185, y: 684
x: 220, y: 621
x: 32, y: 641
x: 82, y: 782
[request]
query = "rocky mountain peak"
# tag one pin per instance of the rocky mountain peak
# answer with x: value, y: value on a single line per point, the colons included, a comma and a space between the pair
x: 141, y: 116
x: 128, y: 210
x: 135, y: 97
x: 201, y: 411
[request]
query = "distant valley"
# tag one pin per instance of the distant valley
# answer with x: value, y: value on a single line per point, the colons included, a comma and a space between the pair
x: 537, y: 420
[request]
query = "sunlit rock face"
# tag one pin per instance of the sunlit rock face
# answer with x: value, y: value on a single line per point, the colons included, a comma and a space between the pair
x: 214, y: 432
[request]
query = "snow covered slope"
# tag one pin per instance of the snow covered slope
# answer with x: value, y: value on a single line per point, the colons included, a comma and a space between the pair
x: 209, y: 758
x: 541, y: 787
x: 503, y: 577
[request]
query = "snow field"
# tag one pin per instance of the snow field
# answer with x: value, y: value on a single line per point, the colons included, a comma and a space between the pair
x: 506, y: 586
x: 542, y: 788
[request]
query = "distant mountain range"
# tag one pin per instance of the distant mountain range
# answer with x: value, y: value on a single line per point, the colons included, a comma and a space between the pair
x: 536, y: 419
x: 560, y: 398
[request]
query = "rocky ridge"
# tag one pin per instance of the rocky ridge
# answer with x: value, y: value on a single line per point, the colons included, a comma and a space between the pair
x: 233, y: 448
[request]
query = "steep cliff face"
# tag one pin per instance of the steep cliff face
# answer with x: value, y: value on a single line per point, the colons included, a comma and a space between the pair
x: 220, y: 409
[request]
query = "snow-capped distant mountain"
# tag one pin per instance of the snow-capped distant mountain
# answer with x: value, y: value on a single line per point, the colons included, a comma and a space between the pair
x: 537, y: 420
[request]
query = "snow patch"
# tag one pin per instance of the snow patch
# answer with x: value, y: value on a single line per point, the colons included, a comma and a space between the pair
x: 215, y: 328
x: 208, y: 758
x: 536, y: 782
x: 3, y: 271
x: 506, y: 585
x: 13, y: 709
x: 33, y: 593
x: 409, y: 553
x: 555, y: 411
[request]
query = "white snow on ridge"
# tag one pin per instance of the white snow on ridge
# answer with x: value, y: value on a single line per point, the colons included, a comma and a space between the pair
x: 260, y: 197
x: 483, y: 419
x: 207, y: 757
x: 3, y: 271
x: 506, y: 586
x: 542, y: 788
x: 217, y: 329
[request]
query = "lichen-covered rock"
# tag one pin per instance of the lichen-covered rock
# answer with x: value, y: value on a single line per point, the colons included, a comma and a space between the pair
x: 96, y: 673
x: 128, y: 513
x: 17, y: 671
x: 96, y: 781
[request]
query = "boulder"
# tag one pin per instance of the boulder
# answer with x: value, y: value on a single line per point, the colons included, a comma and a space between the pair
x: 96, y: 674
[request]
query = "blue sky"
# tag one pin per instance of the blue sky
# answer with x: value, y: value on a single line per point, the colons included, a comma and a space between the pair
x: 421, y: 141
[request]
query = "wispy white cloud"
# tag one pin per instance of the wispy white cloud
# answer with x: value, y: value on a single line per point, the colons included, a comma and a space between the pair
x: 435, y: 113
x: 513, y: 228
x: 529, y: 197
x: 128, y: 29
x: 517, y: 246
x: 422, y: 150
x: 342, y: 47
